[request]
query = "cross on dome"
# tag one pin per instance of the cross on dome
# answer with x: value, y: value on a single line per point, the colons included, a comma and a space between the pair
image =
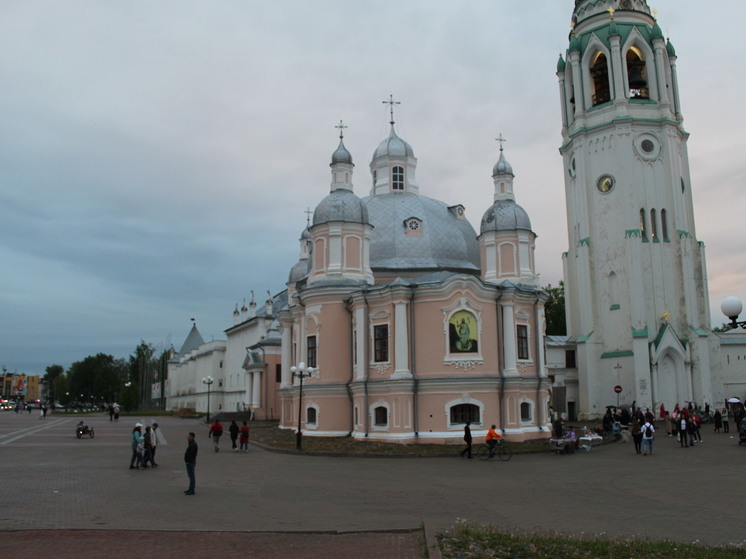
x: 501, y: 141
x: 341, y: 127
x: 308, y: 213
x: 391, y: 102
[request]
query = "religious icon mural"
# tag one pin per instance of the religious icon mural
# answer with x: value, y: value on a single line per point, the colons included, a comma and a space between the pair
x: 463, y: 332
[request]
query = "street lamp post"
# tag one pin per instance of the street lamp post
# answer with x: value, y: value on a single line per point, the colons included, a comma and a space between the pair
x: 301, y: 371
x: 208, y: 381
x: 732, y: 307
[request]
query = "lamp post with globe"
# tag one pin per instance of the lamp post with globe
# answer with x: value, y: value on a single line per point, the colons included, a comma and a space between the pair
x: 732, y: 307
x: 301, y: 371
x: 208, y: 381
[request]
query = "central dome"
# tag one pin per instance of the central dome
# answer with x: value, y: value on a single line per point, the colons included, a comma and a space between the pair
x: 443, y: 240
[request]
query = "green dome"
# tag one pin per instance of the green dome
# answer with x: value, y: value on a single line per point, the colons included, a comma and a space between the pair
x: 669, y: 48
x: 657, y: 33
x: 561, y: 64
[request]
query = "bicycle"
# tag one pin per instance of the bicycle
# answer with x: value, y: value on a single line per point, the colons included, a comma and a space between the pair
x: 501, y: 450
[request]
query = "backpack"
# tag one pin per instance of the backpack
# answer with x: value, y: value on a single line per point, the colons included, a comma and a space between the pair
x: 649, y: 432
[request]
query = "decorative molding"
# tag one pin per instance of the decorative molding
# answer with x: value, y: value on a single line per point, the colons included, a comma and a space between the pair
x: 381, y: 368
x: 632, y: 233
x: 464, y: 364
x: 586, y: 241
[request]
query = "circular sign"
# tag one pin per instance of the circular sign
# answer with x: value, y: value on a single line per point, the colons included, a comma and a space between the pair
x: 617, y: 389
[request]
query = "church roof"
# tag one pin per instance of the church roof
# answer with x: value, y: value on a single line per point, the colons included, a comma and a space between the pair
x: 443, y: 241
x: 192, y: 342
x: 340, y: 205
x: 393, y: 146
x: 505, y: 215
x: 587, y: 8
x: 341, y: 155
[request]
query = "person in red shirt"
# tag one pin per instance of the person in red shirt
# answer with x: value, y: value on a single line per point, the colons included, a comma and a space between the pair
x: 492, y: 438
x: 216, y: 430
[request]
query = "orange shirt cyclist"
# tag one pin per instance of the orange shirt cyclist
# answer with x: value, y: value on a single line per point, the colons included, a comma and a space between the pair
x: 492, y: 438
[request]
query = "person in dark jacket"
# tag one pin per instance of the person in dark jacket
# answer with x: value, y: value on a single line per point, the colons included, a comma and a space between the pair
x: 233, y: 430
x: 467, y: 439
x: 190, y: 459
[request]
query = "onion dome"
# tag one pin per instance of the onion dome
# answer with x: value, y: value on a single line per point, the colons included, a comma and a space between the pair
x: 505, y: 215
x: 300, y: 270
x: 502, y: 167
x: 657, y: 33
x: 670, y: 50
x: 341, y: 155
x: 393, y: 146
x: 340, y: 205
x: 561, y: 65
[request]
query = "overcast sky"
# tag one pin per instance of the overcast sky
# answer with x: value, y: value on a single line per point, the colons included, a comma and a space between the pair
x: 157, y: 157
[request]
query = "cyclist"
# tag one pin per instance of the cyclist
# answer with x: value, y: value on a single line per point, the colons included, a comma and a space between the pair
x: 491, y: 440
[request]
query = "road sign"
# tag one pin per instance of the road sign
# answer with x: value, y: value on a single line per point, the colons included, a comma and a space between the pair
x: 617, y: 389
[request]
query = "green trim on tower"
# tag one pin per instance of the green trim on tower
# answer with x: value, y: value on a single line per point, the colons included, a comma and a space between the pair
x: 643, y: 333
x: 612, y: 354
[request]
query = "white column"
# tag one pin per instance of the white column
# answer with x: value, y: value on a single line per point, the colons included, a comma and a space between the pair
x: 256, y: 392
x: 362, y: 358
x: 249, y: 387
x: 287, y: 346
x: 540, y: 364
x: 401, y: 341
x: 509, y: 340
x: 616, y: 66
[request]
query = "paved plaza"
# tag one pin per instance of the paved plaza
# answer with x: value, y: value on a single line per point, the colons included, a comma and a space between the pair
x: 56, y: 485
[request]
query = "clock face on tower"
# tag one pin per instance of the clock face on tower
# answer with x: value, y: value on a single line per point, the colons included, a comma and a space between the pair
x: 605, y: 183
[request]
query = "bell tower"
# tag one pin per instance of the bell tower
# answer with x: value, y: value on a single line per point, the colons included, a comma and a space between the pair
x: 635, y: 275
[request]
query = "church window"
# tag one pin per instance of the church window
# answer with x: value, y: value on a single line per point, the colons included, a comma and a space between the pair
x: 381, y: 416
x: 463, y: 413
x: 397, y: 178
x: 664, y: 225
x: 683, y: 186
x: 381, y: 343
x: 637, y: 74
x: 643, y: 229
x: 525, y: 411
x: 570, y: 359
x: 375, y: 176
x: 522, y: 339
x: 278, y: 372
x: 600, y: 79
x: 311, y: 351
x: 311, y: 415
x: 654, y: 226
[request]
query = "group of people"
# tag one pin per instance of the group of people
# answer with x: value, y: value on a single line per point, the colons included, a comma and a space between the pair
x: 144, y: 444
x: 491, y: 439
x: 238, y: 434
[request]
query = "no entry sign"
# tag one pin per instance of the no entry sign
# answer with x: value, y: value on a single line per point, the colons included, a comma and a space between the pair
x: 618, y: 389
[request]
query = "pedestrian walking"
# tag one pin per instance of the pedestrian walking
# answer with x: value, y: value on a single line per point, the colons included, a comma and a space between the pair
x: 233, y: 430
x: 726, y: 426
x: 648, y: 433
x: 718, y: 417
x: 244, y: 437
x: 637, y: 436
x: 190, y: 459
x: 683, y: 428
x: 147, y: 442
x: 136, y: 443
x: 216, y: 431
x: 154, y: 440
x: 467, y: 440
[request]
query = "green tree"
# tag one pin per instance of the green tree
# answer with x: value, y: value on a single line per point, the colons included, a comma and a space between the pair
x: 554, y: 310
x: 53, y: 372
x: 94, y: 379
x: 141, y: 368
x: 61, y: 390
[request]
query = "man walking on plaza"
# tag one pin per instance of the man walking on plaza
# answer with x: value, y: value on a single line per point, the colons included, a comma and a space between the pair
x: 190, y: 459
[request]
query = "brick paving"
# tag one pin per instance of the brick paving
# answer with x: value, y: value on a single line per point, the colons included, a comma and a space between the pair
x: 62, y: 492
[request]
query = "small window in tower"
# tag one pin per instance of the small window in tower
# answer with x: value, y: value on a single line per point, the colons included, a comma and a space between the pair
x: 643, y: 229
x: 381, y: 343
x: 637, y: 74
x: 311, y: 351
x: 664, y: 225
x: 375, y: 176
x: 381, y: 416
x: 654, y: 225
x: 397, y: 178
x: 600, y: 79
x: 522, y: 339
x: 525, y: 411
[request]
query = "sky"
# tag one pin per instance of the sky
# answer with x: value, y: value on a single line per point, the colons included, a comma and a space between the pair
x: 157, y: 157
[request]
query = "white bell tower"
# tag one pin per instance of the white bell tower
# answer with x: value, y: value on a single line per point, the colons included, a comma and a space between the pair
x: 635, y: 274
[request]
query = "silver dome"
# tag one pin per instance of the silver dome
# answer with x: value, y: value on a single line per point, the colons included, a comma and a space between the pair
x: 300, y: 270
x: 446, y: 242
x: 341, y: 155
x: 502, y: 167
x: 505, y: 215
x: 393, y: 146
x: 341, y: 205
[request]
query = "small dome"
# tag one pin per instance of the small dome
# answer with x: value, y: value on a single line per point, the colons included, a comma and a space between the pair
x: 502, y: 167
x: 341, y: 205
x: 300, y: 270
x: 393, y: 146
x: 669, y: 48
x: 561, y: 64
x: 341, y: 155
x: 505, y: 215
x: 306, y: 235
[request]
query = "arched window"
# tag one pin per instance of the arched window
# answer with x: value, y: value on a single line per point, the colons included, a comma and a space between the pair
x: 381, y: 416
x: 397, y: 178
x: 643, y: 230
x: 463, y: 413
x: 637, y: 74
x: 664, y: 225
x: 311, y: 416
x: 653, y: 226
x: 600, y: 79
x: 525, y: 411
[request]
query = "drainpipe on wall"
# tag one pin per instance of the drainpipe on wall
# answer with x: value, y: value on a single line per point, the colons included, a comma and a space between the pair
x: 348, y: 308
x: 413, y: 367
x: 500, y: 359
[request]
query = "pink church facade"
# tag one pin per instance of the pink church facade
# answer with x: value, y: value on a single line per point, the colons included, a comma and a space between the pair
x: 412, y: 323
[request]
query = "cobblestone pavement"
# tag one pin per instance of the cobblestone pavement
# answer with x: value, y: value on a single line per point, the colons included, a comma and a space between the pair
x: 72, y: 492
